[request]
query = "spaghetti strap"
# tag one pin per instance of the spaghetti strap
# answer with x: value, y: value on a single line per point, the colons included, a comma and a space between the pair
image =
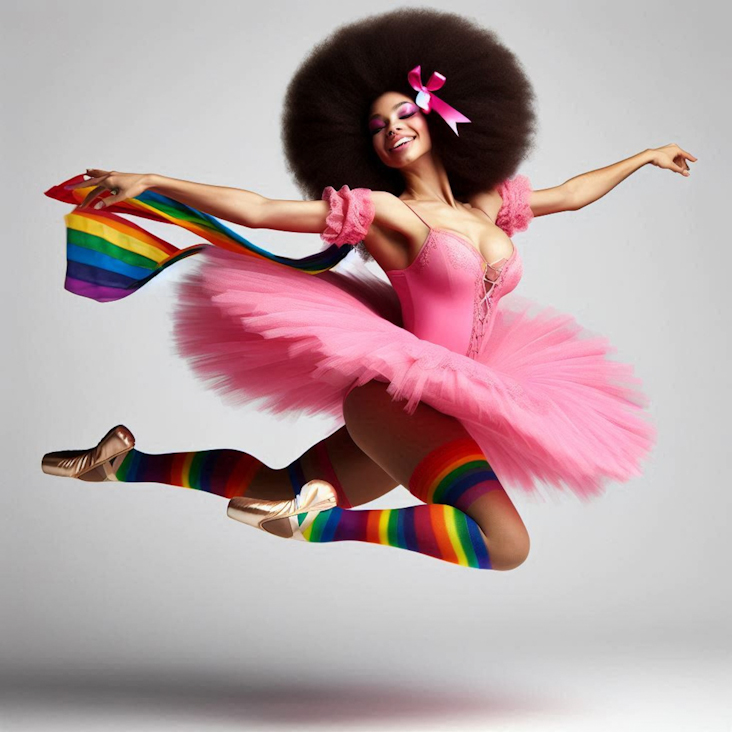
x: 415, y: 213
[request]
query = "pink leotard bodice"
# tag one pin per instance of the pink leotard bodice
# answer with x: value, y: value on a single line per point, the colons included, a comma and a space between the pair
x: 449, y: 293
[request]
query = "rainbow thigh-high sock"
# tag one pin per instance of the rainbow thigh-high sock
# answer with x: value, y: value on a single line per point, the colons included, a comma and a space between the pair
x: 449, y: 479
x: 226, y: 473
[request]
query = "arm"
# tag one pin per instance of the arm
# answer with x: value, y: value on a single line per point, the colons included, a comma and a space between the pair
x: 243, y: 207
x: 588, y: 187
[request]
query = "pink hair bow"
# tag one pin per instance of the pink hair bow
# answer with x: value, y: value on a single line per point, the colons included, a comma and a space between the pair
x: 428, y: 101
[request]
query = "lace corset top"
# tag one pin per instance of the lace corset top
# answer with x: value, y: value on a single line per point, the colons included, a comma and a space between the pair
x: 449, y: 293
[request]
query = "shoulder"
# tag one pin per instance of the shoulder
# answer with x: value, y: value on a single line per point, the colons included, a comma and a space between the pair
x: 508, y: 204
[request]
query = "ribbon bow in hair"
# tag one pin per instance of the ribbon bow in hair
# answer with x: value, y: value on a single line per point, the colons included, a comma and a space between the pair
x: 427, y: 101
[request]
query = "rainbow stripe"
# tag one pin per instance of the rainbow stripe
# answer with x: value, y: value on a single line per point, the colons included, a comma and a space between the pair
x: 439, y: 531
x: 109, y: 257
x: 455, y: 473
x: 224, y: 472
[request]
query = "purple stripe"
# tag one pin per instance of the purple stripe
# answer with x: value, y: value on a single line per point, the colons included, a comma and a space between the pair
x: 95, y: 292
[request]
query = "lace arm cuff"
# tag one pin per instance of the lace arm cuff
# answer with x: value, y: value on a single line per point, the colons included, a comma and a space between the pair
x: 350, y: 216
x: 515, y: 213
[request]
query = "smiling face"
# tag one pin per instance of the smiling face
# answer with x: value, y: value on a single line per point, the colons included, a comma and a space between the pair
x: 398, y: 129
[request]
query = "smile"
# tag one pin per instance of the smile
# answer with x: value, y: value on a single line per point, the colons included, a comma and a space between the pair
x: 401, y: 144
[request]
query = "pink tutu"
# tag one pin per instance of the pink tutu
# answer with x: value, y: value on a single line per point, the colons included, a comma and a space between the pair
x: 541, y: 398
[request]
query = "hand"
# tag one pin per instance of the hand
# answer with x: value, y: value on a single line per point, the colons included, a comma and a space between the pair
x: 672, y: 157
x: 120, y: 185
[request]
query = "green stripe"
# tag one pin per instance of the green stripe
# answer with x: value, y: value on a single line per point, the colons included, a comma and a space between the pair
x: 123, y: 470
x: 461, y: 521
x: 98, y: 244
x: 316, y: 528
x: 446, y: 483
x: 391, y: 528
x: 194, y: 474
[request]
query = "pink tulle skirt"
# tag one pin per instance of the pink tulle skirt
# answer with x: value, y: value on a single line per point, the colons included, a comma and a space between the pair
x: 543, y: 400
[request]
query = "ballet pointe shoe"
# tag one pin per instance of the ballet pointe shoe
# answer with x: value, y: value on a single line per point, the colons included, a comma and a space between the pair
x: 94, y: 465
x: 315, y: 496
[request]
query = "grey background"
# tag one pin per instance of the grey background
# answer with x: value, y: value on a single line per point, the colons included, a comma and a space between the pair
x: 144, y: 604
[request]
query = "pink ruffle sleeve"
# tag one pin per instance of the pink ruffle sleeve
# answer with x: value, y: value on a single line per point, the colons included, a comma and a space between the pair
x: 350, y: 216
x: 515, y: 213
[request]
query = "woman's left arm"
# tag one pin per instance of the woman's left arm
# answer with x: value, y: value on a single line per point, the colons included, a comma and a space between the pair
x: 578, y: 192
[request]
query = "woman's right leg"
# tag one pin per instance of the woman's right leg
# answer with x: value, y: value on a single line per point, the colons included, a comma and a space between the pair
x: 230, y: 473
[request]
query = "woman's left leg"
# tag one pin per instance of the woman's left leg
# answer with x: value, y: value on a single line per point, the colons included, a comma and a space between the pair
x: 469, y: 518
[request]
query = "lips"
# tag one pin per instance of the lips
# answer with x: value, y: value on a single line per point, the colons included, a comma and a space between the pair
x: 393, y: 147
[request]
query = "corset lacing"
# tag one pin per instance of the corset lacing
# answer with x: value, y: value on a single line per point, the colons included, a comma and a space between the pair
x: 480, y: 313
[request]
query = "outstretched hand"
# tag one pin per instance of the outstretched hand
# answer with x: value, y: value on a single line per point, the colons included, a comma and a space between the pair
x: 672, y: 157
x: 121, y: 185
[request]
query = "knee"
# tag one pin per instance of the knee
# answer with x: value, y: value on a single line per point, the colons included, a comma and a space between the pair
x: 510, y: 553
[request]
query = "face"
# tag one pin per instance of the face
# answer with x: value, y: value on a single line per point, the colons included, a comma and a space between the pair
x: 393, y: 117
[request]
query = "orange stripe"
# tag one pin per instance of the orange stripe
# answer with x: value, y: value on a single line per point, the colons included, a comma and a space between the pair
x: 439, y: 462
x: 176, y: 469
x: 372, y: 527
x: 439, y: 526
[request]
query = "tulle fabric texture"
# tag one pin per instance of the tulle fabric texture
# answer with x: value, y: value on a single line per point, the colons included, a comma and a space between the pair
x: 542, y: 398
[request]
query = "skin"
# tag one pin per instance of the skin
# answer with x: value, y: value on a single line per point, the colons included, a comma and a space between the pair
x: 380, y: 444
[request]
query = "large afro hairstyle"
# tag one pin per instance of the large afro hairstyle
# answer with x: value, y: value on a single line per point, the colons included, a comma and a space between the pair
x: 325, y: 118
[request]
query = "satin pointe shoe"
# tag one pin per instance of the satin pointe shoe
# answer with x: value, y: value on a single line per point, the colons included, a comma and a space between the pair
x: 315, y: 496
x: 96, y: 464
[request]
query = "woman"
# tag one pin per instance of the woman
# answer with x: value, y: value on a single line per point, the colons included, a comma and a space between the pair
x: 439, y: 389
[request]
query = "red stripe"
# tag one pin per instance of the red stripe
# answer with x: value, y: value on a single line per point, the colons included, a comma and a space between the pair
x: 242, y: 475
x: 326, y: 467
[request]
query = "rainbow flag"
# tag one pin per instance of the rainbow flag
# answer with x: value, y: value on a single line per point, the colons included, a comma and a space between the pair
x: 109, y: 257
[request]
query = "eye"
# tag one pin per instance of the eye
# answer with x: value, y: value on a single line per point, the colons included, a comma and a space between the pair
x: 409, y: 111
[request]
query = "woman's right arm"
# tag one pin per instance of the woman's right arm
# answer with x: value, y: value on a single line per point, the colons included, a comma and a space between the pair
x: 243, y: 207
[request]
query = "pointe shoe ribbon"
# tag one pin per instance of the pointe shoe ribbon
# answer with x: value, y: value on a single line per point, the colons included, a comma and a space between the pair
x: 93, y: 465
x: 315, y: 496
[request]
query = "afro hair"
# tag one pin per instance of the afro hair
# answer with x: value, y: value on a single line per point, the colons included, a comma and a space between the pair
x: 325, y: 118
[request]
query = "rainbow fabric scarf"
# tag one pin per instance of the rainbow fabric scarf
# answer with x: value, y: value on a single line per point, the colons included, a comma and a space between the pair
x: 109, y: 257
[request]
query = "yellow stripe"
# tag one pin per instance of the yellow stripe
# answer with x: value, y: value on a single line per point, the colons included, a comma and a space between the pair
x: 186, y: 472
x: 384, y: 526
x: 134, y: 242
x: 455, y: 536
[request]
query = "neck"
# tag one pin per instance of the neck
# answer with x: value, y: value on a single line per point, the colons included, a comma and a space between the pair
x: 426, y: 180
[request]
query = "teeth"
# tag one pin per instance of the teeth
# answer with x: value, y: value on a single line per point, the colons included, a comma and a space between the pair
x: 402, y: 142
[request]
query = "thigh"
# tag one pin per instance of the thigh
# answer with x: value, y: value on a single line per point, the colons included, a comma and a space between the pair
x: 361, y: 478
x: 398, y: 442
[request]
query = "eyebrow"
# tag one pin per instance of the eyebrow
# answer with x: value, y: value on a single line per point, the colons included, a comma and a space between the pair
x: 398, y: 104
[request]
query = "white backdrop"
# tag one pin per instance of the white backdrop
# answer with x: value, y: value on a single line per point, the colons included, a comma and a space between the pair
x: 149, y: 588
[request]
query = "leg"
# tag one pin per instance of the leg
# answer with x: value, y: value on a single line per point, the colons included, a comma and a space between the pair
x: 469, y: 518
x: 230, y: 473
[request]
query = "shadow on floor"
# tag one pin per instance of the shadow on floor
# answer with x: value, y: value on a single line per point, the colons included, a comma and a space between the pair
x: 275, y: 701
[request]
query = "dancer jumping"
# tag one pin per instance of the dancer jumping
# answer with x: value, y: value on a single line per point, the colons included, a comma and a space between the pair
x: 439, y: 384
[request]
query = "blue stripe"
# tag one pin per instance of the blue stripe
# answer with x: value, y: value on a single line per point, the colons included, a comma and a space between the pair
x: 104, y: 261
x: 331, y: 525
x: 297, y: 477
x: 410, y: 530
x: 207, y: 468
x: 466, y: 481
x: 481, y: 550
x: 88, y: 273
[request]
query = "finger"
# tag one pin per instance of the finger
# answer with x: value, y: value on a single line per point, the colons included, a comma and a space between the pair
x: 91, y: 196
x: 689, y: 156
x: 96, y: 171
x: 108, y: 201
x: 82, y: 184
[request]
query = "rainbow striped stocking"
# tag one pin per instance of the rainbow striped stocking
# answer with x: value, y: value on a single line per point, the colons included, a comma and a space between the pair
x: 449, y: 479
x: 226, y: 473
